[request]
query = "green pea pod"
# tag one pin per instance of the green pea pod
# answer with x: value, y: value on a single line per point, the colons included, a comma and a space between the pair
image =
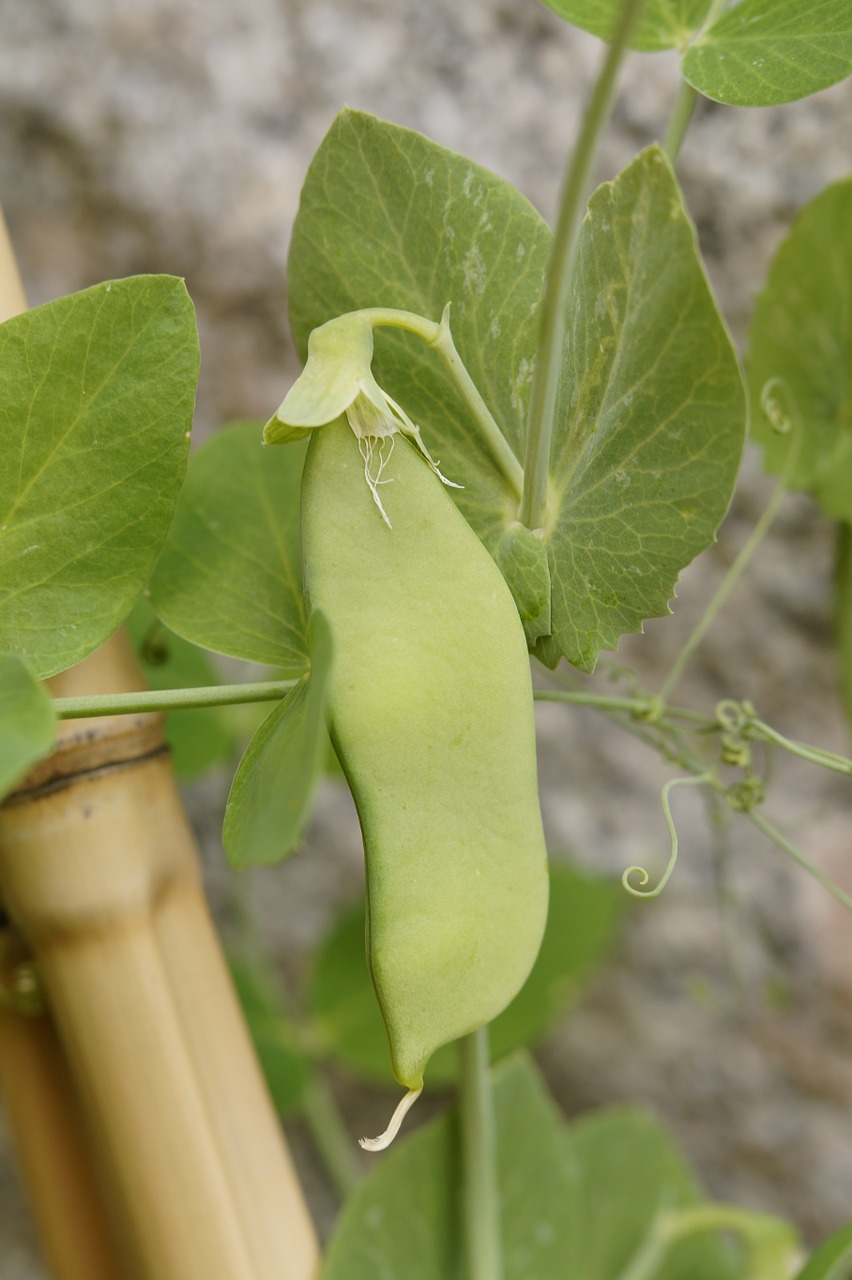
x: 431, y: 714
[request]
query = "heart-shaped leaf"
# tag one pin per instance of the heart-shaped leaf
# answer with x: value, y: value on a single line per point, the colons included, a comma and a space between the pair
x: 662, y: 24
x: 758, y: 54
x: 651, y: 418
x: 96, y: 399
x: 801, y: 335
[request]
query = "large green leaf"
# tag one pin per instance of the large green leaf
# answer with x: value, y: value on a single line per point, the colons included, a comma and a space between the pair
x: 663, y: 24
x: 272, y: 792
x: 404, y: 1220
x: 653, y: 411
x: 632, y: 1177
x: 389, y: 219
x: 582, y: 922
x: 762, y: 52
x: 198, y: 738
x: 96, y: 399
x: 585, y: 1200
x: 651, y: 420
x: 832, y: 1260
x: 26, y: 721
x: 801, y: 333
x: 230, y: 576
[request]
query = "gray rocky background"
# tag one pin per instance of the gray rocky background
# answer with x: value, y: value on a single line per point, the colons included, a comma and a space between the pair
x: 173, y: 135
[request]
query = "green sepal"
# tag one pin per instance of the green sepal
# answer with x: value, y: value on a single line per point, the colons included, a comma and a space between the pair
x: 272, y: 792
x: 522, y: 559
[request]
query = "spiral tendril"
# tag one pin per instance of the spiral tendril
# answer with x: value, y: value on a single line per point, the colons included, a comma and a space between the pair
x: 641, y: 872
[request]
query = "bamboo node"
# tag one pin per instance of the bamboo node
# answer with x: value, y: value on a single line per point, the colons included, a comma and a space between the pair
x: 22, y: 991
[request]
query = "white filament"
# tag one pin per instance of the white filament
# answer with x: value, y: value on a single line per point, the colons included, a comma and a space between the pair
x: 368, y: 451
x: 386, y: 1138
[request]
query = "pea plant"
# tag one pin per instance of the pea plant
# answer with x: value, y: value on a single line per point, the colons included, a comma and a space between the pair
x: 505, y: 442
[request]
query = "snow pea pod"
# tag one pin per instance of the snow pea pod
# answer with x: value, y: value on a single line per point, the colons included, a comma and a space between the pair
x: 431, y: 714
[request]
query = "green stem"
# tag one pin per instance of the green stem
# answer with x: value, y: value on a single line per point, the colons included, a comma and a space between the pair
x: 119, y: 704
x: 642, y: 707
x: 332, y: 1139
x: 843, y: 611
x: 548, y: 366
x: 681, y: 115
x: 479, y: 1161
x: 686, y: 98
x: 814, y: 755
x: 439, y: 336
x: 508, y: 463
x: 733, y: 575
x: 784, y: 844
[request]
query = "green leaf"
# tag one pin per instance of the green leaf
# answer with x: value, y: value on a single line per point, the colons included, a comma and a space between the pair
x: 761, y: 53
x: 832, y: 1260
x: 404, y: 1220
x: 583, y: 917
x: 652, y: 415
x: 96, y: 400
x: 272, y: 792
x: 286, y: 1069
x: 663, y: 24
x: 801, y: 333
x: 389, y: 219
x: 230, y: 576
x: 634, y: 1178
x: 26, y: 721
x: 198, y: 738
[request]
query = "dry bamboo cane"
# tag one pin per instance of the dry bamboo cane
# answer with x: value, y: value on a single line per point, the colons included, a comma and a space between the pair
x: 99, y: 871
x: 50, y: 1140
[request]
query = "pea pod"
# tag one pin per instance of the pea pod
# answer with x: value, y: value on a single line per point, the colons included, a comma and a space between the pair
x: 431, y: 714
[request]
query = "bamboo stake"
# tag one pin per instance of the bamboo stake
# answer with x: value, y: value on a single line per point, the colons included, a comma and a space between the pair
x: 99, y: 871
x: 262, y: 1182
x: 50, y: 1141
x: 82, y: 878
x: 13, y: 300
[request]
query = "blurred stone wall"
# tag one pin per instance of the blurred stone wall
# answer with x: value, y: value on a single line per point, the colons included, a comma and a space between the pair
x: 173, y: 135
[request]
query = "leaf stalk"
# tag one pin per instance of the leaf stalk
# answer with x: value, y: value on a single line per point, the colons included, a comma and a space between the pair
x: 548, y: 365
x: 438, y: 336
x: 687, y: 97
x: 119, y: 704
x: 733, y: 575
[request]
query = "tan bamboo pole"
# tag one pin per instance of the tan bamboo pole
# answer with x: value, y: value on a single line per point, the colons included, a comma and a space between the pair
x: 13, y: 300
x: 50, y: 1142
x: 99, y: 871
